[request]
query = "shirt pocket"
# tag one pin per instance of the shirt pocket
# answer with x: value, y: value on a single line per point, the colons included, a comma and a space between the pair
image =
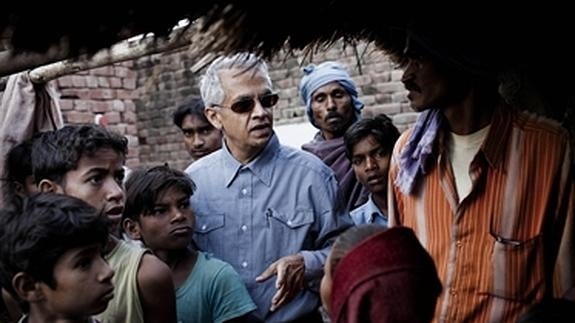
x: 209, y: 231
x: 517, y: 267
x: 288, y: 232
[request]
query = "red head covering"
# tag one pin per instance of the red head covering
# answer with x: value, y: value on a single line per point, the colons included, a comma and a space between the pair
x: 389, y: 277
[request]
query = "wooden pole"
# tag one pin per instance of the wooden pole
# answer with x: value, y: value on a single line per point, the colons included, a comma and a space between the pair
x: 126, y: 50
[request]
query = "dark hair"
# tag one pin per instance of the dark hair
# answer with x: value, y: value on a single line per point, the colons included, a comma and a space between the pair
x: 349, y: 239
x: 195, y: 107
x: 47, y: 226
x: 17, y: 167
x: 380, y: 127
x: 145, y: 187
x: 57, y: 152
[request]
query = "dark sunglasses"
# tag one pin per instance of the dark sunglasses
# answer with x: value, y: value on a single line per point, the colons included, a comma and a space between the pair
x: 246, y: 105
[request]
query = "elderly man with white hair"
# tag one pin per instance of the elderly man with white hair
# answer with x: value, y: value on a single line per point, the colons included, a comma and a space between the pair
x: 266, y: 209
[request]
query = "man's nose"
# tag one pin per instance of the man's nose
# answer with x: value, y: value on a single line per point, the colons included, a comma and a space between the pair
x: 198, y: 141
x: 331, y: 106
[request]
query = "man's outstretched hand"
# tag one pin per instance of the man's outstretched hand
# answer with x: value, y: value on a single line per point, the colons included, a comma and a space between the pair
x: 289, y: 281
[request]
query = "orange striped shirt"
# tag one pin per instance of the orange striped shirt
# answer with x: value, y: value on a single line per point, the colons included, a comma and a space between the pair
x: 511, y: 240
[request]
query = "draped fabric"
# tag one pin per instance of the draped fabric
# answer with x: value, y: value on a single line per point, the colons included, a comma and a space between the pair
x: 25, y: 110
x: 332, y: 153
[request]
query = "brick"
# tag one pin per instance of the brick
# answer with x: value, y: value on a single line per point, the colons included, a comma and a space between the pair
x: 101, y: 106
x: 103, y: 82
x: 66, y: 105
x: 113, y: 117
x: 362, y: 80
x: 381, y: 77
x: 390, y: 87
x: 129, y: 117
x: 65, y: 81
x: 131, y: 129
x: 117, y: 105
x: 72, y: 93
x: 400, y: 96
x: 115, y: 82
x: 121, y: 71
x: 91, y: 81
x: 368, y: 99
x: 387, y: 108
x: 103, y: 71
x: 129, y: 83
x: 83, y: 105
x: 129, y: 105
x: 405, y: 118
x: 75, y: 117
x: 125, y: 94
x: 118, y: 128
x: 99, y: 94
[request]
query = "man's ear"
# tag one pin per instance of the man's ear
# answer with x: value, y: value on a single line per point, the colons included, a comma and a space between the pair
x: 27, y: 287
x: 213, y: 117
x: 132, y: 229
x: 49, y: 186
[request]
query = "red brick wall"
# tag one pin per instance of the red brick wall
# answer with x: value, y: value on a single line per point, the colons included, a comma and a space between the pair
x: 109, y: 91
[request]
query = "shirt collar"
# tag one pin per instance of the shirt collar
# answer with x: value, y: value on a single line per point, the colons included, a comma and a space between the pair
x: 371, y: 210
x: 495, y: 144
x: 262, y: 166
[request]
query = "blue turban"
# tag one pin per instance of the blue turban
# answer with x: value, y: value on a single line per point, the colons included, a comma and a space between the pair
x: 316, y: 76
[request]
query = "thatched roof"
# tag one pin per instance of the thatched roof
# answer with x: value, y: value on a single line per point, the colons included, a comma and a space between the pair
x: 536, y: 43
x: 517, y: 38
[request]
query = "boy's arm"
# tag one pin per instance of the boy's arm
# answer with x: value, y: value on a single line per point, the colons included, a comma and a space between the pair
x: 157, y: 292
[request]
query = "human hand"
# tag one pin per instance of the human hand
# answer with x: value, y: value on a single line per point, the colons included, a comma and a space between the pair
x: 289, y: 281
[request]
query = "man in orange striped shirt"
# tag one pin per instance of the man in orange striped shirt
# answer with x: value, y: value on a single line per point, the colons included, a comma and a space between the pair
x: 488, y: 190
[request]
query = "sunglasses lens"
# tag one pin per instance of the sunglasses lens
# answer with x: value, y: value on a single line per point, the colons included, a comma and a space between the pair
x: 243, y: 106
x: 269, y: 100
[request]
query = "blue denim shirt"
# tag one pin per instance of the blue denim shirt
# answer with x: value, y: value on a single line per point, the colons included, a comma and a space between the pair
x: 284, y: 202
x: 368, y: 213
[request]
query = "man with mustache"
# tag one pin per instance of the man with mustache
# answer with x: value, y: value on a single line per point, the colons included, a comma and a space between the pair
x: 487, y: 188
x: 266, y: 209
x: 332, y: 106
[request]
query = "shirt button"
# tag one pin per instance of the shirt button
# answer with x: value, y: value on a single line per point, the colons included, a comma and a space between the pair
x: 244, y: 264
x: 244, y: 227
x: 458, y: 243
x: 204, y: 227
x: 289, y: 222
x: 244, y: 191
x: 453, y: 292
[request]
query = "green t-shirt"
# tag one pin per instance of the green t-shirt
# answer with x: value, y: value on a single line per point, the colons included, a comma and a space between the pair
x: 213, y: 292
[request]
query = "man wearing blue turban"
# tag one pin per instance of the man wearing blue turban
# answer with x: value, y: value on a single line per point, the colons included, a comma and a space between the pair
x: 332, y: 105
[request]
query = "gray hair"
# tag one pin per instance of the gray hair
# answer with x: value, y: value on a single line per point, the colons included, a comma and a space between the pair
x: 210, y: 84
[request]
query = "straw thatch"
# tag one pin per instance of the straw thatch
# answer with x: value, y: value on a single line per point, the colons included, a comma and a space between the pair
x: 533, y: 43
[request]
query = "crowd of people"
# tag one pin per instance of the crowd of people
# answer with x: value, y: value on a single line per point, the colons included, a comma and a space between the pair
x: 468, y: 216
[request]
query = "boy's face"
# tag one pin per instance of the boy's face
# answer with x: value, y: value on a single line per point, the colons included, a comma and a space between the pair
x: 83, y: 284
x: 371, y: 164
x: 200, y: 137
x: 171, y: 223
x: 98, y: 181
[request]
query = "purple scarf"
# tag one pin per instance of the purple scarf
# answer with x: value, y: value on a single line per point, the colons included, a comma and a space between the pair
x: 414, y: 159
